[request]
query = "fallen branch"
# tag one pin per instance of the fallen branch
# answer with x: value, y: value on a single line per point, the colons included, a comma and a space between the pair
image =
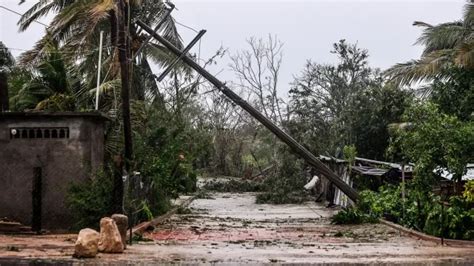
x: 143, y: 227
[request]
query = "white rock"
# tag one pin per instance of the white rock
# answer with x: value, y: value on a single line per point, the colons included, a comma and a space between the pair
x: 86, y: 244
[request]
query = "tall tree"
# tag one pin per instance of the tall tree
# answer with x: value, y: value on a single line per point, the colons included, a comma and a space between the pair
x: 323, y: 98
x: 257, y: 70
x: 375, y: 110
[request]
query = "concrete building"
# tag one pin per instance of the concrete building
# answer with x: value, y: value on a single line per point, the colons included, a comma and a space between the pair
x: 41, y: 155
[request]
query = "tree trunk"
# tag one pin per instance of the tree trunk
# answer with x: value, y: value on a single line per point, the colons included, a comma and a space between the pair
x: 3, y: 92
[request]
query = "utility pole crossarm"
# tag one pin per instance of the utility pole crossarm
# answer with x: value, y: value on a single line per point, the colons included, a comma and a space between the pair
x: 283, y: 136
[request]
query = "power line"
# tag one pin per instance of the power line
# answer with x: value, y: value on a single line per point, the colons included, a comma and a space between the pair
x: 186, y: 26
x: 193, y: 29
x: 91, y: 51
x: 21, y: 15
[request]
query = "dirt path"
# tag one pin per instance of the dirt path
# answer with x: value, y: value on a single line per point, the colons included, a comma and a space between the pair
x: 231, y: 228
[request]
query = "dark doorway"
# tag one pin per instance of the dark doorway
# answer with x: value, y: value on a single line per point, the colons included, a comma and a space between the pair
x: 37, y: 201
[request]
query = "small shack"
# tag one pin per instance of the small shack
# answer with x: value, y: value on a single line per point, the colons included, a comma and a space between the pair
x: 41, y: 155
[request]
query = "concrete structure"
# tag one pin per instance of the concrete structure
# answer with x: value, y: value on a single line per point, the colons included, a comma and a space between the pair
x: 41, y: 155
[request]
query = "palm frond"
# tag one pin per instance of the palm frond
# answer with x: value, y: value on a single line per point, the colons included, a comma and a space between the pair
x: 465, y: 55
x: 32, y: 56
x: 424, y: 69
x: 6, y: 58
x: 468, y: 16
x: 38, y: 10
x: 107, y: 87
x: 442, y: 36
x: 422, y: 24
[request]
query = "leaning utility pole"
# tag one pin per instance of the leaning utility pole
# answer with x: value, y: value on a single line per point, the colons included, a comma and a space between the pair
x: 320, y: 167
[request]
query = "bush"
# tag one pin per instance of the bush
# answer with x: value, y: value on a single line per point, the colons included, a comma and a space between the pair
x: 453, y: 221
x: 91, y: 200
x: 423, y: 212
x: 468, y: 193
x: 352, y: 216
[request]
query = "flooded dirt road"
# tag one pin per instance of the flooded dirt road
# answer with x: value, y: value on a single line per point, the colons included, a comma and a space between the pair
x: 230, y: 228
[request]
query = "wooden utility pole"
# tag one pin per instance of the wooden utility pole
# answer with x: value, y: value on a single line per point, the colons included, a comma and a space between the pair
x: 124, y: 55
x: 119, y: 39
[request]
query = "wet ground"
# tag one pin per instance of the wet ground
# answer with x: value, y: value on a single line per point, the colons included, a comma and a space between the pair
x: 230, y: 228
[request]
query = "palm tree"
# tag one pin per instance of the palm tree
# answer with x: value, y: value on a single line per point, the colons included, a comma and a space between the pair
x: 50, y: 85
x: 76, y: 26
x: 6, y: 64
x: 446, y: 45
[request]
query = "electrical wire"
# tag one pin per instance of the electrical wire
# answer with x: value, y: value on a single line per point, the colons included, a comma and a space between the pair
x: 21, y: 15
x: 192, y: 29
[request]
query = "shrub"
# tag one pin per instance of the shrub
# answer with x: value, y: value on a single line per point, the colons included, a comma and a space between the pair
x: 469, y: 191
x: 352, y: 215
x: 455, y: 220
x: 91, y: 200
x: 423, y: 212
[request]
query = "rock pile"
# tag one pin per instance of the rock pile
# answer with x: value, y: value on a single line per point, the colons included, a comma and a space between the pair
x: 111, y: 239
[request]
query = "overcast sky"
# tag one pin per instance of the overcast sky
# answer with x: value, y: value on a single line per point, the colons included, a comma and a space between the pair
x: 307, y: 28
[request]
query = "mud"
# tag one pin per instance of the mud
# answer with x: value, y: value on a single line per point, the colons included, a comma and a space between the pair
x: 230, y: 228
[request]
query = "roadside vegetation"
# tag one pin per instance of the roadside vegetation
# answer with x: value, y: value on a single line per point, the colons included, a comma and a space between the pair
x: 435, y: 134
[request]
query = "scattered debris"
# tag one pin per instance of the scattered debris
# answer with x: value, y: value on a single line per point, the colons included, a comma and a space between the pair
x: 10, y: 226
x: 183, y: 210
x: 233, y: 185
x: 13, y: 248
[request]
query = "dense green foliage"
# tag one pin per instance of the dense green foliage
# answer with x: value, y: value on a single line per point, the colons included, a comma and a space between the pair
x: 469, y: 191
x: 436, y: 134
x: 91, y: 200
x: 424, y: 213
x: 435, y: 141
x: 343, y: 104
x: 352, y: 216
